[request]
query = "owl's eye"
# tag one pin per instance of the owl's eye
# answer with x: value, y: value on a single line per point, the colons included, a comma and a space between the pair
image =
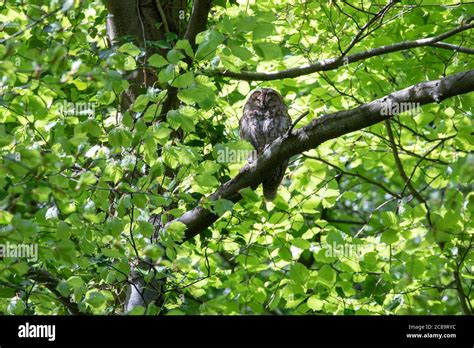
x: 273, y: 98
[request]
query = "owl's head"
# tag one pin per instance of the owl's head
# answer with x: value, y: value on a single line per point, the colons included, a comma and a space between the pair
x: 265, y: 98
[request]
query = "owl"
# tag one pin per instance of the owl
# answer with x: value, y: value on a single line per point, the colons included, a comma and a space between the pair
x: 264, y: 119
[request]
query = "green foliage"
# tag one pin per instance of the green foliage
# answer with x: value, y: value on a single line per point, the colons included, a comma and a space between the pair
x: 80, y: 177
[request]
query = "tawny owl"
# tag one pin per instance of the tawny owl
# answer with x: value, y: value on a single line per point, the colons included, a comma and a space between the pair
x: 266, y: 118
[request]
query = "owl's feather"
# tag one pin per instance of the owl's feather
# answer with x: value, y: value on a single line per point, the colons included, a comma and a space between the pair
x: 265, y: 118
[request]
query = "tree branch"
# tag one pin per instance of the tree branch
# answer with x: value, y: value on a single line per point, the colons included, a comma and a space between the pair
x: 463, y: 299
x: 360, y: 35
x: 320, y: 130
x: 31, y: 25
x: 197, y: 20
x: 51, y: 283
x: 448, y: 46
x: 333, y: 63
x: 135, y: 20
x: 358, y: 175
x: 401, y: 171
x: 163, y: 16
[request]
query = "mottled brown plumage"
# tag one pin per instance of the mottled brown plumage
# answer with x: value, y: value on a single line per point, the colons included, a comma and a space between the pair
x: 266, y: 118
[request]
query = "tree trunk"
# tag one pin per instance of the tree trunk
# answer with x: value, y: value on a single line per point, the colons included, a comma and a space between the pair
x: 143, y: 22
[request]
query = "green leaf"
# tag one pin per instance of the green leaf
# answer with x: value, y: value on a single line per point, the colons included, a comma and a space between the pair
x: 222, y: 205
x: 206, y: 180
x: 75, y: 282
x: 185, y: 46
x: 389, y: 237
x: 334, y: 237
x: 298, y: 273
x: 301, y: 243
x: 162, y: 132
x: 174, y: 56
x: 185, y: 80
x: 327, y: 275
x: 285, y: 254
x: 167, y: 74
x: 92, y: 128
x: 416, y: 267
x: 200, y: 94
x: 389, y: 218
x: 37, y: 107
x: 152, y: 112
x: 146, y: 228
x: 96, y: 299
x: 184, y: 121
x: 263, y: 30
x: 157, y: 61
x: 315, y: 303
x: 268, y: 50
x: 170, y: 253
x: 250, y: 195
x: 30, y: 158
x: 140, y: 200
x: 5, y: 217
x: 176, y: 230
x: 130, y: 49
x: 63, y: 230
x: 241, y: 52
x: 207, y: 47
x: 5, y: 139
x: 141, y: 102
x: 138, y: 310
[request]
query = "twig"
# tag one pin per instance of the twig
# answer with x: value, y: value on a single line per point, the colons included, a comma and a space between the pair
x: 51, y: 283
x: 162, y: 15
x: 370, y: 181
x: 462, y: 296
x: 296, y: 122
x: 31, y: 25
x: 402, y: 173
x: 360, y: 34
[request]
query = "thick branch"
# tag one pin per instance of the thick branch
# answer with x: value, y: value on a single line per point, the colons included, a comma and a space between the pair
x: 134, y: 20
x: 197, y: 23
x: 334, y: 63
x: 322, y: 129
x: 197, y: 20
